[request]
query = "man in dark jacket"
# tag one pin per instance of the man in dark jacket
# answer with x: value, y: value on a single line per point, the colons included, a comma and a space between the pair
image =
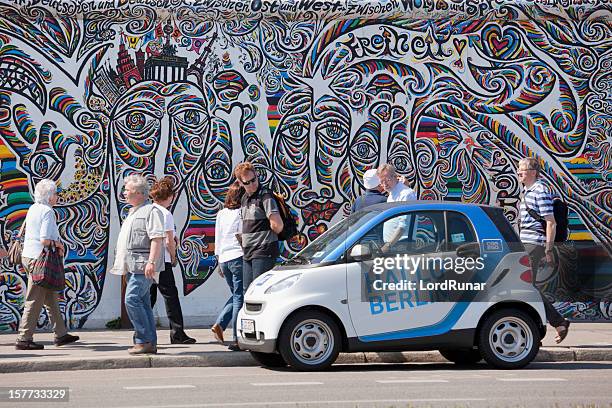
x: 261, y: 224
x: 372, y: 194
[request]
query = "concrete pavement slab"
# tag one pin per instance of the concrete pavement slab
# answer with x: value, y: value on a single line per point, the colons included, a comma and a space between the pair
x: 108, y: 349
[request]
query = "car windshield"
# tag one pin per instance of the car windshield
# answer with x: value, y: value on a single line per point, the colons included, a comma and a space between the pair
x: 327, y: 242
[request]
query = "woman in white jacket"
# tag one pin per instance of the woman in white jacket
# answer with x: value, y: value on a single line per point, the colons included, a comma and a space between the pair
x: 229, y: 256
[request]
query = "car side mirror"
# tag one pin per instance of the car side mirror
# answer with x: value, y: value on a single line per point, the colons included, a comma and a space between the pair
x: 469, y: 250
x: 361, y: 252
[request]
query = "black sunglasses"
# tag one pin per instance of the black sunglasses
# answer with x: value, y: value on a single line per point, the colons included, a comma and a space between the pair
x: 246, y: 183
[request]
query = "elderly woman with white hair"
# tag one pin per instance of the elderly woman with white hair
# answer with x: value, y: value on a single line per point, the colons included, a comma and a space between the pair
x: 40, y: 231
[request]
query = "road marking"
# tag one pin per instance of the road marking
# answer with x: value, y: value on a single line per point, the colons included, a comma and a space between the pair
x: 309, y: 403
x: 410, y: 381
x: 530, y: 379
x: 159, y: 387
x: 275, y: 384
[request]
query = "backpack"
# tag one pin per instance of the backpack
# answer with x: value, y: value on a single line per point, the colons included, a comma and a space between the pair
x: 290, y: 225
x: 560, y: 212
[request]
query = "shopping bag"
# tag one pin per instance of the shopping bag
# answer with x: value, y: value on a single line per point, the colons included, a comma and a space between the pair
x: 48, y: 270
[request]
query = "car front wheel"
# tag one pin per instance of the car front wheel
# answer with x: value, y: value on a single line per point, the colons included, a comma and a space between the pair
x: 509, y: 339
x: 309, y: 341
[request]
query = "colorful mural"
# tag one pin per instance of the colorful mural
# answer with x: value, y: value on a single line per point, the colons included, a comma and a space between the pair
x: 314, y: 92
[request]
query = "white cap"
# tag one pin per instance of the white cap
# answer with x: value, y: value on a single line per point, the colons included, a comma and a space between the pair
x: 370, y: 179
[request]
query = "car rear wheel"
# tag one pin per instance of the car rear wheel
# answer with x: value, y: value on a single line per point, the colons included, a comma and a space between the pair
x: 309, y: 341
x: 272, y: 360
x: 508, y: 339
x: 462, y: 356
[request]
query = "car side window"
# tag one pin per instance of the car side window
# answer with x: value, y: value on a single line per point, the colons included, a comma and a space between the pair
x: 425, y: 232
x: 381, y: 233
x: 407, y: 233
x: 460, y: 231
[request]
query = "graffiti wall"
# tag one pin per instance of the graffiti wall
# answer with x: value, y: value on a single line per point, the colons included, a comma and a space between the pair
x: 314, y: 92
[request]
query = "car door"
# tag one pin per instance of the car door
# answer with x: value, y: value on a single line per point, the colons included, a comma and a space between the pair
x: 380, y: 315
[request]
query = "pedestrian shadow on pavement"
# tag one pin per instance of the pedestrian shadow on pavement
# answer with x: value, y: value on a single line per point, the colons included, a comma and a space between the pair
x: 42, y: 354
x: 100, y: 346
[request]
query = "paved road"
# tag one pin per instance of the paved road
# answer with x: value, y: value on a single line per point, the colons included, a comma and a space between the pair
x: 408, y: 385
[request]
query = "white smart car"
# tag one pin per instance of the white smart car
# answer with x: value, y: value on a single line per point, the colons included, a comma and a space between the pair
x: 394, y: 277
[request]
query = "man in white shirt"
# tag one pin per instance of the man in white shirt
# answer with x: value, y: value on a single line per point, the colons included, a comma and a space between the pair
x: 394, y: 229
x: 140, y: 251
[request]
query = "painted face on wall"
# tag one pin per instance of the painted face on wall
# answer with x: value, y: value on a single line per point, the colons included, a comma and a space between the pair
x: 159, y: 130
x: 333, y: 130
x: 46, y: 133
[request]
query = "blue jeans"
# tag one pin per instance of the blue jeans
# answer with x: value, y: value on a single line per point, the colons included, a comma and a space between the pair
x: 232, y: 271
x: 254, y: 268
x: 138, y: 305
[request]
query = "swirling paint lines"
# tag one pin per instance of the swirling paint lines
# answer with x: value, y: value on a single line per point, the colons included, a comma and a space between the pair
x: 228, y: 85
x: 61, y: 102
x: 24, y: 123
x: 14, y: 24
x: 369, y: 67
x: 65, y: 31
x: 12, y: 295
x: 291, y: 142
x: 85, y: 226
x: 474, y: 187
x: 564, y: 119
x: 537, y: 126
x: 13, y: 184
x: 562, y: 54
x: 399, y: 146
x: 527, y: 95
x: 324, y: 40
x: 81, y: 294
x: 23, y: 75
x: 493, y: 79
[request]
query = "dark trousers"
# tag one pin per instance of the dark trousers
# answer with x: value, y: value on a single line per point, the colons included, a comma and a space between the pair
x: 536, y: 254
x: 253, y: 268
x: 168, y: 289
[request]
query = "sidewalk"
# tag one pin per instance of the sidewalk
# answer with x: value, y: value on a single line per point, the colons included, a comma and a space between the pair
x: 107, y: 349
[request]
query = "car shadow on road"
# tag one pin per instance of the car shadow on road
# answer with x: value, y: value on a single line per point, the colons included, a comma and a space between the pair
x: 569, y: 365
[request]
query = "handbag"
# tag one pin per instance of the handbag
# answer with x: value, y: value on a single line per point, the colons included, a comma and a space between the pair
x: 48, y: 270
x: 16, y: 247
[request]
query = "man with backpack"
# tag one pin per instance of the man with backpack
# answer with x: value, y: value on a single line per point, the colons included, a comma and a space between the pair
x: 261, y: 225
x: 538, y: 231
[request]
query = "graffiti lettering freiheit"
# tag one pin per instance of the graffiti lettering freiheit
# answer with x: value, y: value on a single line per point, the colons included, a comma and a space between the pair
x: 314, y: 92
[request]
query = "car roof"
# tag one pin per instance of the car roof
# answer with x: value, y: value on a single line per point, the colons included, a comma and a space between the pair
x: 423, y: 204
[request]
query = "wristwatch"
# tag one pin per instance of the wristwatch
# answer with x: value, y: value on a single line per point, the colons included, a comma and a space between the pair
x: 151, y: 262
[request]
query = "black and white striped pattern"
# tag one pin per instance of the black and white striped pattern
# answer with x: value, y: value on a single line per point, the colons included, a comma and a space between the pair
x: 539, y: 198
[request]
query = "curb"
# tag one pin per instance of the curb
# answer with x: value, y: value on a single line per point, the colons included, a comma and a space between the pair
x: 243, y: 359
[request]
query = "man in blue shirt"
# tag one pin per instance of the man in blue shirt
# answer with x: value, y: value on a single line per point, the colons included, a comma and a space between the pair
x: 372, y: 194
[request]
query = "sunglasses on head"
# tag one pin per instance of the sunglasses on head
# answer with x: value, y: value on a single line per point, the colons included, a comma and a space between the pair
x: 247, y: 182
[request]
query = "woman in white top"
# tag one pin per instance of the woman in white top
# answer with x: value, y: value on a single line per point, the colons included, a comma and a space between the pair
x: 162, y: 193
x: 229, y: 256
x: 40, y: 231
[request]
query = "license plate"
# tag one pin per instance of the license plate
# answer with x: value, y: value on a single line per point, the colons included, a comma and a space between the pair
x: 248, y: 326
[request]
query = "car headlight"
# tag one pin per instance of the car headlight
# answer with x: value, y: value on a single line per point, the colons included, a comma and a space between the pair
x: 284, y: 284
